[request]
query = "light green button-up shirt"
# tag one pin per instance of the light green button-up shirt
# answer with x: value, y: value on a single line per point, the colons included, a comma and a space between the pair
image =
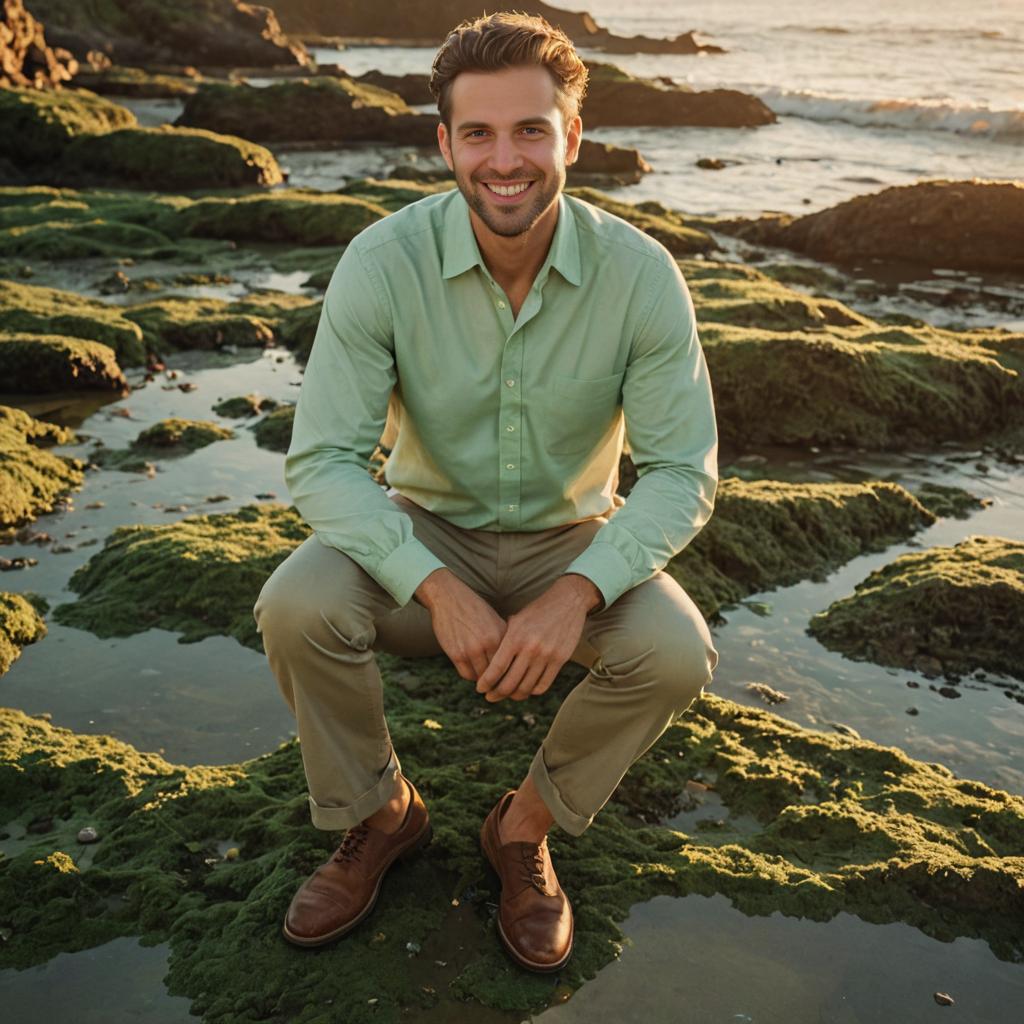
x: 502, y: 423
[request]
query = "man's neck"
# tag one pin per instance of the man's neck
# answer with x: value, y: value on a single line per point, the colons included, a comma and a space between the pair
x: 514, y: 261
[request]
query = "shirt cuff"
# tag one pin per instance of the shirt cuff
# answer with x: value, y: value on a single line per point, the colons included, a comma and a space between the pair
x: 606, y: 567
x: 405, y: 569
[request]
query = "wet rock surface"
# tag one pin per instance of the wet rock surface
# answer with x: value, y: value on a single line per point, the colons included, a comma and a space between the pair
x: 949, y: 610
x: 274, y: 431
x: 958, y: 224
x: 840, y: 824
x: 170, y: 437
x: 44, y: 362
x: 32, y: 479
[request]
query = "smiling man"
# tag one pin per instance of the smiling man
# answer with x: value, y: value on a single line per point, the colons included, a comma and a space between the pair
x: 509, y: 337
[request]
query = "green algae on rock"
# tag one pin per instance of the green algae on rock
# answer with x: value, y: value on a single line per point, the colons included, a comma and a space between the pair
x: 170, y: 158
x: 244, y: 405
x: 28, y: 308
x: 959, y: 606
x: 32, y: 480
x: 170, y: 437
x: 199, y: 576
x: 20, y: 625
x: 839, y: 825
x: 274, y: 431
x: 766, y: 534
x: 332, y: 109
x: 34, y: 363
x: 122, y: 80
x: 36, y: 124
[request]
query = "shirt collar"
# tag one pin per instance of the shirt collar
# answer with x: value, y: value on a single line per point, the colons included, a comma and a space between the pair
x: 461, y: 251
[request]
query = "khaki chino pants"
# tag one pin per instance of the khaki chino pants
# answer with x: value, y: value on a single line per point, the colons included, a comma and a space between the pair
x: 322, y: 617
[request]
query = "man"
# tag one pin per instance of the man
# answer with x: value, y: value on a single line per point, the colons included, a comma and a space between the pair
x: 510, y: 334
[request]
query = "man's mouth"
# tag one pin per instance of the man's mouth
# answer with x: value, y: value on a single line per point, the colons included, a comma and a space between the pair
x: 510, y: 192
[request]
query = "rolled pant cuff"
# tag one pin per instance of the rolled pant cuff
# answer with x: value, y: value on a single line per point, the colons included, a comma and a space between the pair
x: 565, y: 817
x: 333, y: 819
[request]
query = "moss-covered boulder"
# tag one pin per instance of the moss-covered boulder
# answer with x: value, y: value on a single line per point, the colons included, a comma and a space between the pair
x: 666, y: 225
x: 244, y: 405
x: 274, y: 431
x: 970, y: 225
x: 765, y: 534
x: 32, y: 309
x: 168, y: 438
x: 813, y: 825
x: 169, y: 158
x: 138, y: 83
x: 615, y: 97
x: 20, y: 625
x: 220, y: 32
x: 35, y: 363
x: 188, y: 323
x: 330, y: 109
x: 36, y: 124
x: 32, y: 479
x: 789, y: 368
x: 199, y: 576
x: 946, y: 609
x: 762, y: 535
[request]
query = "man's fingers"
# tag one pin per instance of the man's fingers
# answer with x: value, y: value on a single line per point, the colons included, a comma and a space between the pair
x: 529, y: 682
x: 496, y: 669
x: 512, y: 678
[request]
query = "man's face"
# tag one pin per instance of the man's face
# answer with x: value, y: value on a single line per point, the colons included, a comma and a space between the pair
x: 507, y: 133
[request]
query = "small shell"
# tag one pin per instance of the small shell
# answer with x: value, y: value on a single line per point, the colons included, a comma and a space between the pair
x: 88, y: 835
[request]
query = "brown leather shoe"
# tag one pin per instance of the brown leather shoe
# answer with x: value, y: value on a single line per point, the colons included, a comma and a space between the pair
x: 341, y: 892
x: 534, y: 915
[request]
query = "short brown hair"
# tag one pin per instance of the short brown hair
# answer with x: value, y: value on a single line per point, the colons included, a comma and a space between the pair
x: 505, y: 40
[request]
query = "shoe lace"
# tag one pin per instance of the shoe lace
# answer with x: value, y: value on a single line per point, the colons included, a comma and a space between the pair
x: 352, y: 843
x: 532, y: 865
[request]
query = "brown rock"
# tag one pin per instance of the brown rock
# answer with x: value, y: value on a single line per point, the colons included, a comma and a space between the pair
x: 965, y: 225
x: 25, y: 57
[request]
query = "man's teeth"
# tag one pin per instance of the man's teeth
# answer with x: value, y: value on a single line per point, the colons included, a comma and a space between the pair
x: 510, y: 190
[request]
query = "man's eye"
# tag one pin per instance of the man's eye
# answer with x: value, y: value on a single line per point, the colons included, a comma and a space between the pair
x: 536, y: 131
x: 476, y: 133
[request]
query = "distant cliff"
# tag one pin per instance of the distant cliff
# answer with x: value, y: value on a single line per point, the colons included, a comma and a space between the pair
x: 203, y: 32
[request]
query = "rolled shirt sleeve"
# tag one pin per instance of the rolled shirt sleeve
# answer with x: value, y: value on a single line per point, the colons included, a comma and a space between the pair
x: 670, y: 425
x: 340, y: 416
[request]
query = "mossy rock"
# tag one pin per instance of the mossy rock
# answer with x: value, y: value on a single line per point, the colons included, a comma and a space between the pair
x: 35, y: 363
x: 170, y: 437
x: 32, y: 480
x: 666, y: 225
x: 766, y: 534
x: 870, y: 386
x: 244, y: 406
x: 393, y: 193
x: 138, y: 83
x: 191, y: 323
x: 830, y: 824
x: 331, y: 109
x: 37, y: 124
x: 199, y: 576
x: 274, y: 431
x: 956, y: 609
x: 170, y: 158
x: 20, y: 625
x: 32, y: 309
x: 202, y: 575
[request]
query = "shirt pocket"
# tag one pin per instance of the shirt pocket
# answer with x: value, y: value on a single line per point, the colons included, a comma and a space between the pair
x: 578, y: 411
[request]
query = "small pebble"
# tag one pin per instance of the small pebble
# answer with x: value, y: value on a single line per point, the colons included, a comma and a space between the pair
x: 913, y: 711
x: 88, y: 834
x: 413, y: 947
x: 266, y: 496
x: 231, y: 853
x: 944, y: 999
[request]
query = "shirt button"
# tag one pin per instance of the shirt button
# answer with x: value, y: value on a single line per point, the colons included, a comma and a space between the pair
x: 511, y: 508
x: 510, y: 428
x: 511, y: 383
x: 501, y: 305
x: 510, y: 465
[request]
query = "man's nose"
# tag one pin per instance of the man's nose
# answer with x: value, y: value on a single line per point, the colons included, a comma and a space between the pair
x: 505, y: 156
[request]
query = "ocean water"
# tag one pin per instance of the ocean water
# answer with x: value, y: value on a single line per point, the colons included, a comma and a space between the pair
x: 868, y: 95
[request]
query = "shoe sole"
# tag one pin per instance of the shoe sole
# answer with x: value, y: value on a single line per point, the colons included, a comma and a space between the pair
x: 544, y: 968
x: 415, y: 847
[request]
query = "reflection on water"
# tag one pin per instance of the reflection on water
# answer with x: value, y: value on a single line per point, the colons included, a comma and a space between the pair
x: 120, y: 981
x: 699, y: 960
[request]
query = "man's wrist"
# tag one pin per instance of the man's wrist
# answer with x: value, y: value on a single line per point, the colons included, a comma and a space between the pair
x: 587, y: 589
x: 428, y: 589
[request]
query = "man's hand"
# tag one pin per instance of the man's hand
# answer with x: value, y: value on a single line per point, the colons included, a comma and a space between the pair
x: 468, y: 629
x: 539, y: 640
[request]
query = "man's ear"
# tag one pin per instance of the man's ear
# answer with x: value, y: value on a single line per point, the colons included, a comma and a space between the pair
x: 444, y: 144
x: 573, y: 137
